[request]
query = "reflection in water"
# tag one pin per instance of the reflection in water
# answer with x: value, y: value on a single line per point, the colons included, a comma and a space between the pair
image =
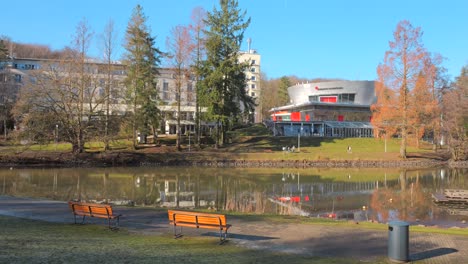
x: 372, y: 194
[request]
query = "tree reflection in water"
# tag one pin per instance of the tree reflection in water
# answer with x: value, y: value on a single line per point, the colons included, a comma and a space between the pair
x: 381, y: 195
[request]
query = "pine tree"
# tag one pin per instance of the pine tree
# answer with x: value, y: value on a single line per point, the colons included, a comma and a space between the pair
x: 224, y: 79
x: 283, y: 90
x: 142, y: 60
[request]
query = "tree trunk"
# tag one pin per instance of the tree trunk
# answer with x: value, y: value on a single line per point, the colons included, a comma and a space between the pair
x: 217, y: 134
x: 403, y: 143
x: 417, y: 138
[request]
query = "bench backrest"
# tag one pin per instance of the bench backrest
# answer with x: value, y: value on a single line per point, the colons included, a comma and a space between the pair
x: 196, y: 218
x: 90, y: 208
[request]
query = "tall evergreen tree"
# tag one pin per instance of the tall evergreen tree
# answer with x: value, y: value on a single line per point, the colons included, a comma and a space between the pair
x: 142, y: 60
x: 283, y: 90
x: 224, y: 79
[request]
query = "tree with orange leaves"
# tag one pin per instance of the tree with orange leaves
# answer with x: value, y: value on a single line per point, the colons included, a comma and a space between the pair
x: 402, y: 90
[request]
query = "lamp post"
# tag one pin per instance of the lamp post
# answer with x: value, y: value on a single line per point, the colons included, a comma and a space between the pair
x: 56, y: 136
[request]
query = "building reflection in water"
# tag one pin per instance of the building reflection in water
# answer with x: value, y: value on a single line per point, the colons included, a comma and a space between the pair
x: 337, y: 193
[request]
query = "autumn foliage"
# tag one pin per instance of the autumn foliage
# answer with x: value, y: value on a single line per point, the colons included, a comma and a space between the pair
x: 407, y: 103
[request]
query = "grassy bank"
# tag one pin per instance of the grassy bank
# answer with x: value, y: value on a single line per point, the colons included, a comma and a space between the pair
x: 27, y: 241
x: 249, y: 146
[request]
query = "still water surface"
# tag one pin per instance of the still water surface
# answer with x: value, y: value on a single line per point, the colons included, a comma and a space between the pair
x: 361, y: 194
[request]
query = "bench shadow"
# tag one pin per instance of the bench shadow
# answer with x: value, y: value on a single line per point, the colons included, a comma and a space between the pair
x: 432, y: 253
x: 241, y: 236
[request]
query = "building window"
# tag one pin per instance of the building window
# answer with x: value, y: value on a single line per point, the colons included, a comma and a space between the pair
x: 252, y: 69
x: 165, y: 90
x: 328, y: 99
x: 252, y: 86
x: 253, y: 62
x: 252, y: 94
x: 189, y: 87
x: 252, y: 78
x: 346, y: 98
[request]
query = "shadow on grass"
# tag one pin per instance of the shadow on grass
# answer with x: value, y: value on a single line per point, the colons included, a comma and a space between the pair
x: 241, y: 236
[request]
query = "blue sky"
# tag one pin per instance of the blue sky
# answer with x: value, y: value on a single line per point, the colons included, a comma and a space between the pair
x: 307, y: 38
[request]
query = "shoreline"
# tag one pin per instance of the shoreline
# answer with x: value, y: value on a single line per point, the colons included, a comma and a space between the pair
x: 120, y: 159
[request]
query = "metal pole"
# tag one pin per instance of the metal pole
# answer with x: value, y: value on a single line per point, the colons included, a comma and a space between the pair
x: 385, y: 142
x: 299, y: 142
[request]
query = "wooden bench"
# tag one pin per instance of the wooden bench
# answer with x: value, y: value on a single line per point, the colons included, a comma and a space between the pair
x: 198, y: 220
x: 94, y: 210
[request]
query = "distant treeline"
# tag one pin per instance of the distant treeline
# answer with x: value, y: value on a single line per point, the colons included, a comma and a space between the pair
x: 28, y: 50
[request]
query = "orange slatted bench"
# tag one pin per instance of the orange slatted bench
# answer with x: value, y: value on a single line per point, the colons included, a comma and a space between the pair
x: 94, y: 210
x: 198, y: 220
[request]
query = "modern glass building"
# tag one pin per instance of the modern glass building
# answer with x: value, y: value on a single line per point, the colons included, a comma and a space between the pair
x: 326, y: 109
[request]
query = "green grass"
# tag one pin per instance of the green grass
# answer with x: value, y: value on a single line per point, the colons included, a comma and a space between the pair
x: 254, y: 143
x: 27, y: 241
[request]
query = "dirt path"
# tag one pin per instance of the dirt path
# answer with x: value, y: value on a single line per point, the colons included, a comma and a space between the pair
x: 305, y: 239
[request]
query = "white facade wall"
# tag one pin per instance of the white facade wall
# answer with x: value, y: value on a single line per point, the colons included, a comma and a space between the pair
x: 364, y: 91
x: 252, y: 74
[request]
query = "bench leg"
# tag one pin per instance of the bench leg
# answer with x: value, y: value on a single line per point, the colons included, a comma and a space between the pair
x: 82, y: 220
x: 117, y: 223
x: 177, y: 235
x: 222, y: 236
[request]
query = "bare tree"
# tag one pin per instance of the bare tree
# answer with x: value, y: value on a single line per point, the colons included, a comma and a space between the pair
x: 455, y: 117
x: 197, y: 28
x: 180, y: 50
x: 82, y: 79
x: 61, y: 96
x: 109, y: 38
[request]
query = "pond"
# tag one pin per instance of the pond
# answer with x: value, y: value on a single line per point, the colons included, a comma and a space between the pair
x: 360, y: 194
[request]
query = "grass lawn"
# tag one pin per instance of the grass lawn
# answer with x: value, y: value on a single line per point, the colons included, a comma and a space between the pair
x: 254, y: 143
x: 28, y: 241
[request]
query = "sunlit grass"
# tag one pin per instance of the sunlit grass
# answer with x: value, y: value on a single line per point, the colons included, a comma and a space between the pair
x: 27, y: 241
x: 254, y: 143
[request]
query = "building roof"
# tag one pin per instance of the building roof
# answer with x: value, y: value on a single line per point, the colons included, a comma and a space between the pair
x: 293, y: 106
